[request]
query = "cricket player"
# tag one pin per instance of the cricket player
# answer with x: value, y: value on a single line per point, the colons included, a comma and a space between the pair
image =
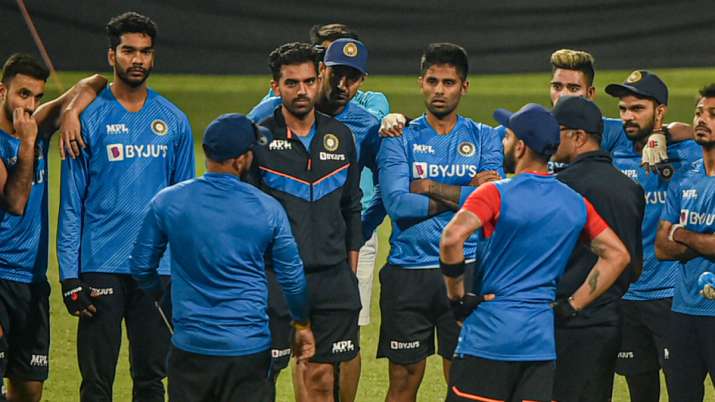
x: 685, y: 234
x: 25, y: 132
x: 137, y: 143
x: 587, y: 344
x: 425, y: 175
x: 221, y: 344
x: 532, y: 222
x: 342, y: 71
x: 311, y: 167
x: 643, y: 103
x: 321, y: 36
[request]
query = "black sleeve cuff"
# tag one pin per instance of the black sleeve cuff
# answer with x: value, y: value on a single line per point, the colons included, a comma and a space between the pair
x: 452, y: 270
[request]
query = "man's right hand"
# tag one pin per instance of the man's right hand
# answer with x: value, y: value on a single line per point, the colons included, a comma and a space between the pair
x: 303, y: 343
x: 77, y: 298
x: 483, y: 177
x: 71, y: 135
x: 392, y: 125
x: 25, y: 126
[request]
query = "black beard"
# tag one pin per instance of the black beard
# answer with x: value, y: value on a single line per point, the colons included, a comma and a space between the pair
x: 509, y: 162
x: 124, y: 77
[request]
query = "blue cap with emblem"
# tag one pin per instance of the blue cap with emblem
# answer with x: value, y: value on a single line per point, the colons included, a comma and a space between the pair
x: 347, y: 52
x: 642, y: 84
x: 534, y: 125
x: 232, y: 135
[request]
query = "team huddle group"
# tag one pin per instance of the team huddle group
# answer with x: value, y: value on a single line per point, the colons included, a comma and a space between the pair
x: 593, y: 258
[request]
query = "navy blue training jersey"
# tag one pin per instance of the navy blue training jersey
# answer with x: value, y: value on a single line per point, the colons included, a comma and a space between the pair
x: 130, y: 156
x: 23, y: 239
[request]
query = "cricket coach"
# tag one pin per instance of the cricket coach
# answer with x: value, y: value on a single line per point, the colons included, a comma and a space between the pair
x: 221, y: 345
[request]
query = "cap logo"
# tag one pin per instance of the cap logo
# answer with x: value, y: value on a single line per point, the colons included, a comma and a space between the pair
x: 466, y: 149
x: 331, y: 142
x: 634, y: 77
x: 350, y: 49
x: 159, y: 127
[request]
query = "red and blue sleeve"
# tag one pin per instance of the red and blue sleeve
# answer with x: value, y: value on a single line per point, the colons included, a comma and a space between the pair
x: 485, y: 202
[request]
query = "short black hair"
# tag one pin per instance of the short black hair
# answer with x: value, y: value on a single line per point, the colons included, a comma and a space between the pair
x: 708, y: 91
x: 445, y: 53
x: 20, y: 63
x: 330, y: 32
x: 291, y: 54
x: 129, y: 22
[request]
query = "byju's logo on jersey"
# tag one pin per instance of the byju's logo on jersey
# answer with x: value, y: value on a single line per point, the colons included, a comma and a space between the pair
x: 466, y: 149
x: 117, y: 129
x: 655, y: 197
x: 688, y: 217
x: 120, y: 152
x: 690, y: 194
x: 423, y: 170
x: 159, y: 127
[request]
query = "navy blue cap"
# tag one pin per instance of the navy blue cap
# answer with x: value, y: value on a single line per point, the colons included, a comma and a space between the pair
x: 534, y: 125
x: 347, y: 52
x: 643, y: 84
x: 578, y: 113
x: 232, y: 135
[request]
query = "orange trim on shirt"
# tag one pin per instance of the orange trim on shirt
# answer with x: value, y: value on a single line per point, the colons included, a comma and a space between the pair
x: 333, y: 173
x: 283, y: 174
x: 472, y: 397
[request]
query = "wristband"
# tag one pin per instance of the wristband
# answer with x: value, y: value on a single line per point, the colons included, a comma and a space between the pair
x: 299, y: 326
x: 673, y: 228
x: 451, y: 270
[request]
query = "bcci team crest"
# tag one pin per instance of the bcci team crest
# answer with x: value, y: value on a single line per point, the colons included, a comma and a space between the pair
x: 466, y: 149
x: 331, y: 142
x: 159, y: 127
x: 350, y: 49
x: 634, y: 77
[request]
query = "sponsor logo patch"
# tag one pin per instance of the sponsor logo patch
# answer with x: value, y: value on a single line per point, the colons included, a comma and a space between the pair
x: 655, y: 197
x: 120, y: 152
x: 691, y: 193
x: 343, y: 346
x: 280, y: 145
x: 95, y: 292
x: 422, y: 149
x: 395, y: 345
x: 276, y: 353
x: 325, y: 156
x: 423, y: 170
x: 117, y: 129
x: 626, y: 355
x: 159, y: 127
x: 688, y: 217
x: 38, y: 361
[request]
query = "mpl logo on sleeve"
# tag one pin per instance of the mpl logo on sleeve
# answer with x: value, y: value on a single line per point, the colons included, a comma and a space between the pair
x: 38, y: 361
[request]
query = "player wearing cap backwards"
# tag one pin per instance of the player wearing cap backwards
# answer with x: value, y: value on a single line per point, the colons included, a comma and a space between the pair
x: 321, y: 36
x: 26, y: 128
x: 137, y: 143
x: 588, y: 343
x: 686, y: 234
x: 643, y: 103
x: 532, y: 222
x: 221, y: 343
x: 424, y: 176
x: 311, y: 167
x: 342, y: 71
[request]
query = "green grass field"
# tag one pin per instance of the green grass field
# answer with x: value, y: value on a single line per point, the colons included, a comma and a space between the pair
x: 205, y: 97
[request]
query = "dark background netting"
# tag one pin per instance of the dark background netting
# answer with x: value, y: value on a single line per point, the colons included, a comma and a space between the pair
x: 234, y: 37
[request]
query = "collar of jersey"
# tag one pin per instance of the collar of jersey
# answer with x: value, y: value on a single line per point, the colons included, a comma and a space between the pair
x: 457, y: 125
